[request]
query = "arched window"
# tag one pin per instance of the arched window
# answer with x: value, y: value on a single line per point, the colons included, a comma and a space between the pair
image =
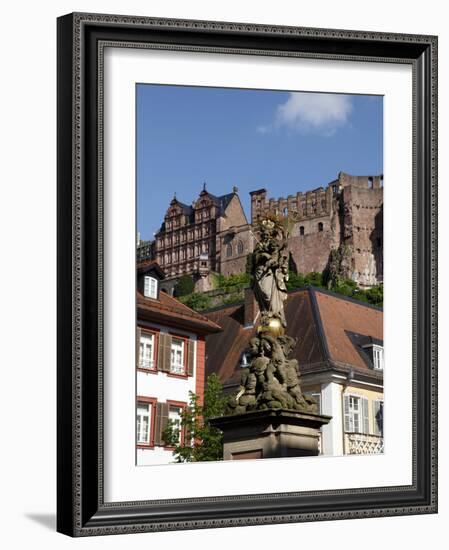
x: 301, y: 230
x: 240, y: 247
x: 320, y: 226
x: 229, y: 251
x: 285, y: 211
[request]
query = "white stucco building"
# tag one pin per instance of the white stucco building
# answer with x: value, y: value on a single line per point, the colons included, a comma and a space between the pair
x: 170, y: 363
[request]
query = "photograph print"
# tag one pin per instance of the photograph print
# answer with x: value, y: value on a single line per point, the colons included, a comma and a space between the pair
x: 259, y: 274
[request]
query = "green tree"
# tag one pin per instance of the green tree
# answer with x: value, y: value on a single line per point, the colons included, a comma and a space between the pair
x: 375, y: 295
x: 203, y: 442
x: 196, y: 301
x: 233, y: 282
x: 295, y: 280
x: 184, y: 286
x: 314, y: 278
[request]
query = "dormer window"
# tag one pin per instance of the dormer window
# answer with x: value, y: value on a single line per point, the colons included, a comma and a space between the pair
x: 150, y: 287
x: 378, y: 357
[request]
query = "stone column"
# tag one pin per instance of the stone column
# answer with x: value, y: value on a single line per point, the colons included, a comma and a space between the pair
x: 331, y: 404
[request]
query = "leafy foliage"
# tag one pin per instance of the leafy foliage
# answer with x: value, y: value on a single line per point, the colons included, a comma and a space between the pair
x: 298, y: 280
x: 197, y: 301
x: 346, y: 287
x: 234, y: 282
x: 203, y: 442
x: 184, y: 286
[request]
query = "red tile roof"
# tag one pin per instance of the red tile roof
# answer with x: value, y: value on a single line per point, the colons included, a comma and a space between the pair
x: 321, y: 321
x: 147, y: 265
x: 169, y: 310
x: 340, y: 316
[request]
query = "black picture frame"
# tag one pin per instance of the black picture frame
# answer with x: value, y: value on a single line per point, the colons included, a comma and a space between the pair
x: 81, y: 510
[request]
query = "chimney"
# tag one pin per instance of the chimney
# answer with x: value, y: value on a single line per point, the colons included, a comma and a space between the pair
x: 251, y: 309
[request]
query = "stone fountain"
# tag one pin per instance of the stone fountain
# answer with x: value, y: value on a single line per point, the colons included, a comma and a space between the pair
x: 269, y: 416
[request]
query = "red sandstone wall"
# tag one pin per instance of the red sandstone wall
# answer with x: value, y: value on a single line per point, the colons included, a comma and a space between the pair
x: 310, y: 252
x: 363, y: 232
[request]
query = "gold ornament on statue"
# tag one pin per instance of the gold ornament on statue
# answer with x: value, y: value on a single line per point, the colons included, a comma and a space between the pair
x: 272, y: 326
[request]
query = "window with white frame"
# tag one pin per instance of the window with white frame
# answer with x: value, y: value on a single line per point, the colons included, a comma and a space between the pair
x: 146, y: 350
x: 150, y: 287
x: 177, y: 353
x: 356, y: 414
x: 144, y: 413
x: 378, y: 357
x: 174, y: 417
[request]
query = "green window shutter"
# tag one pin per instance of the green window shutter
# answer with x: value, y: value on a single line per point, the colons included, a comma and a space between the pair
x: 161, y: 422
x: 366, y: 429
x: 349, y: 421
x: 138, y: 335
x: 190, y: 357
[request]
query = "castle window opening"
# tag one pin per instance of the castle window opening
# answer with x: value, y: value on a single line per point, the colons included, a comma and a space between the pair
x: 240, y: 247
x: 370, y: 182
x: 301, y: 230
x: 229, y: 250
x: 285, y: 211
x: 320, y: 226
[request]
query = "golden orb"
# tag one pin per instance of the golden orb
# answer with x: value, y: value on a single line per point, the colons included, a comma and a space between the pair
x: 273, y: 327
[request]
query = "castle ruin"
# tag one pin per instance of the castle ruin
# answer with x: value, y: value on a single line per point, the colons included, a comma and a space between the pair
x: 346, y: 216
x: 213, y: 234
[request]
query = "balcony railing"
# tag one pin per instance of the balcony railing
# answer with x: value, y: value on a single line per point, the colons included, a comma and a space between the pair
x: 364, y: 444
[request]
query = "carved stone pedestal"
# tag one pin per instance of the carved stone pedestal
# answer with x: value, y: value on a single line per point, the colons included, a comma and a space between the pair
x: 272, y: 433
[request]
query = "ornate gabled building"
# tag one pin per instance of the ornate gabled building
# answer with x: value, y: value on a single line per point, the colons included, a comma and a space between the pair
x: 211, y: 235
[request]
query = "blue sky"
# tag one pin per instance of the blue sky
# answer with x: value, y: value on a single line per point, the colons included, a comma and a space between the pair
x: 283, y: 141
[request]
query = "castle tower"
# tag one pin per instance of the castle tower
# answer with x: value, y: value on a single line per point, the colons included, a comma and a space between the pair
x: 258, y: 204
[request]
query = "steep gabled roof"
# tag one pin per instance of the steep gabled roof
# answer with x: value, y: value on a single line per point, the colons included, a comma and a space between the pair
x: 150, y: 265
x: 221, y: 201
x: 169, y: 311
x: 186, y: 209
x: 323, y: 323
x: 225, y: 200
x: 340, y: 317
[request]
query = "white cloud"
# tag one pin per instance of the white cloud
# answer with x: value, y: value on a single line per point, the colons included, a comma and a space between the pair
x: 313, y: 113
